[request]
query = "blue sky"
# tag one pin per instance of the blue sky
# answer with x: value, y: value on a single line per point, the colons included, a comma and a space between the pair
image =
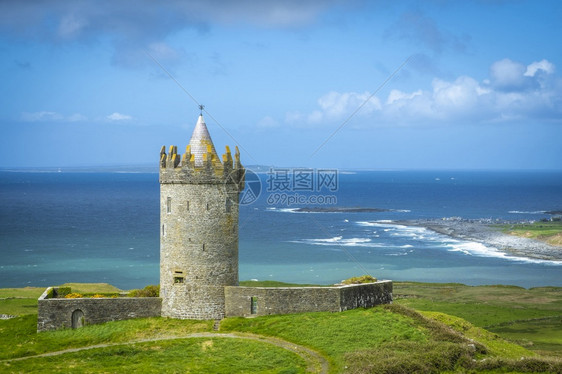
x: 480, y: 86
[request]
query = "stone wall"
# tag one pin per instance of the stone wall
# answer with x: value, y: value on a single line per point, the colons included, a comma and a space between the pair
x: 53, y: 313
x: 260, y: 301
x: 365, y: 295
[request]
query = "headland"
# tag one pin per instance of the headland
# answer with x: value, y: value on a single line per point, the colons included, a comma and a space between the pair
x: 489, y: 233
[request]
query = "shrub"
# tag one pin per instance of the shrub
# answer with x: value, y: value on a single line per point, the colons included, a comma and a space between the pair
x: 148, y: 291
x: 360, y: 280
x: 410, y: 357
x: 97, y: 296
x: 73, y: 295
x: 62, y: 291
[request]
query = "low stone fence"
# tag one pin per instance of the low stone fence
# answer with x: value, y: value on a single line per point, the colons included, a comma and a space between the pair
x: 55, y: 313
x: 260, y: 301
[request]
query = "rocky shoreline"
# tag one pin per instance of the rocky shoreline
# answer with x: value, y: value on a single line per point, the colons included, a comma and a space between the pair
x: 481, y: 231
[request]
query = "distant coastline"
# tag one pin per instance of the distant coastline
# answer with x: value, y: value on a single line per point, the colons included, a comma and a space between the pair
x: 483, y: 232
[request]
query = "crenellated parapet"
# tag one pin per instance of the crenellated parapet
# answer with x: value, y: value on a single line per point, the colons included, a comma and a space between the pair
x: 183, y: 168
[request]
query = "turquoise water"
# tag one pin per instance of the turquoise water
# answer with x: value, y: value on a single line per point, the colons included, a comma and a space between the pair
x: 103, y: 227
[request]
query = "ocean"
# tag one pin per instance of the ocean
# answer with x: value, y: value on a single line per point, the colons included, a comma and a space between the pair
x: 58, y: 227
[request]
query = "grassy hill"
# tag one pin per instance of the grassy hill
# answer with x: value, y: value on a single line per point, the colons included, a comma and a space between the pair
x: 430, y: 328
x: 546, y: 231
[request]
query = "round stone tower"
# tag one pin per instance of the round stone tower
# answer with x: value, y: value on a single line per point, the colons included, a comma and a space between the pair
x: 198, y: 227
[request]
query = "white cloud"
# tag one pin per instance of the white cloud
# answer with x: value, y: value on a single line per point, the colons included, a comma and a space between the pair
x: 397, y: 96
x: 41, y: 116
x: 76, y: 117
x: 335, y: 106
x: 51, y: 116
x: 118, y: 117
x: 543, y: 65
x: 506, y: 74
x: 267, y: 122
x: 509, y: 94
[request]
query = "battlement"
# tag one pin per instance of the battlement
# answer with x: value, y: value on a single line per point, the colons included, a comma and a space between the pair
x: 184, y: 169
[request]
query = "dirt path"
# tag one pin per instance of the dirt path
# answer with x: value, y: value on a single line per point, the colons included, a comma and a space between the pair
x: 316, y: 363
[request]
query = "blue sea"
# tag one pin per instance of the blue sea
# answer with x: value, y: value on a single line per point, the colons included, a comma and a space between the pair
x: 60, y: 226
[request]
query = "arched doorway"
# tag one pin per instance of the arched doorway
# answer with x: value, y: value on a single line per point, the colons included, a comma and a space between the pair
x: 77, y: 319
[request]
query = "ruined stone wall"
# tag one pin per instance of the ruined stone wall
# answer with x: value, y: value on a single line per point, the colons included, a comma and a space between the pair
x: 53, y: 313
x: 260, y: 301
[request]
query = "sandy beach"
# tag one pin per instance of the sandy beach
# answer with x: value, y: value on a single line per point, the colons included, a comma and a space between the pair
x: 483, y: 232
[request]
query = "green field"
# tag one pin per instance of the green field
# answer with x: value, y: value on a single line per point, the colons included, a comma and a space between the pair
x: 549, y: 231
x: 430, y: 328
x: 530, y: 317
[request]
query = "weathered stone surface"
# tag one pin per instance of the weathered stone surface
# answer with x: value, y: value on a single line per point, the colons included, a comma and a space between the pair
x: 198, y: 230
x: 289, y: 300
x: 53, y: 313
x: 365, y: 295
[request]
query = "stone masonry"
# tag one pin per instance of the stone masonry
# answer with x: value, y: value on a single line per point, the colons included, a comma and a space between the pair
x: 260, y: 301
x: 199, y: 227
x: 55, y: 313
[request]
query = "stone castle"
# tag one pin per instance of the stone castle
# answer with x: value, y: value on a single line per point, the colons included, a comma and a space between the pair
x: 199, y: 227
x: 199, y: 212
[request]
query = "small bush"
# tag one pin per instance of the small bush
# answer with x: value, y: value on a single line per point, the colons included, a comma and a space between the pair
x: 148, y: 291
x: 97, y: 296
x: 410, y: 357
x: 360, y: 280
x: 73, y: 295
x: 523, y: 365
x: 62, y: 291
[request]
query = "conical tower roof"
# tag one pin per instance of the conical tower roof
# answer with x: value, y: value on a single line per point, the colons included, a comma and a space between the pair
x: 200, y: 140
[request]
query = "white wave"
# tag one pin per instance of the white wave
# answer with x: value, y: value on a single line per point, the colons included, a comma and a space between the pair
x: 378, y: 223
x: 284, y: 210
x: 402, y: 210
x: 482, y: 250
x: 400, y: 231
x: 527, y: 212
x: 338, y: 240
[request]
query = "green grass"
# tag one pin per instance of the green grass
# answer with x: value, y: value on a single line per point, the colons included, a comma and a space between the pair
x: 536, y: 228
x: 19, y: 301
x: 493, y: 344
x: 550, y: 232
x: 542, y: 335
x: 20, y: 337
x: 528, y: 317
x: 18, y: 306
x: 197, y: 355
x: 92, y: 288
x: 23, y: 301
x: 26, y: 292
x: 332, y: 333
x: 447, y: 336
x: 353, y: 338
